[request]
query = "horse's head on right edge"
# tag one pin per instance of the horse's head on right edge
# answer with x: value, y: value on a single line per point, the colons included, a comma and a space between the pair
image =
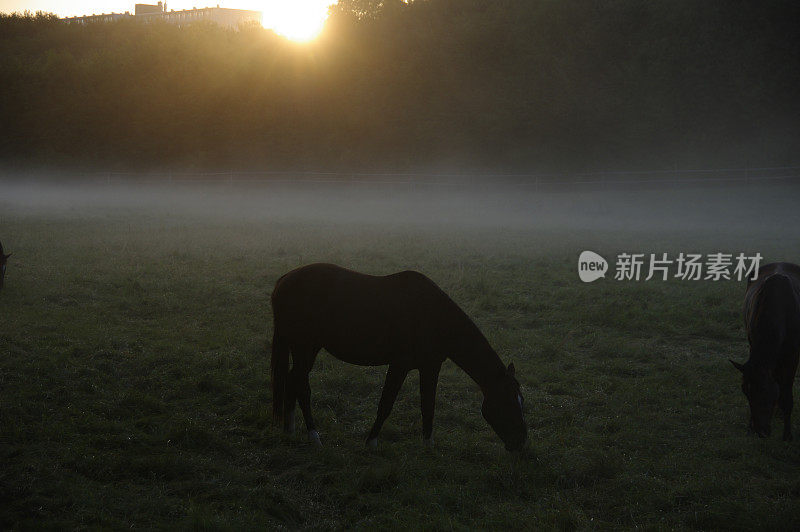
x: 761, y: 389
x: 502, y: 409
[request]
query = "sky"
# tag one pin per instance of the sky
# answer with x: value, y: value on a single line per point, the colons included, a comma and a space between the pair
x: 290, y: 17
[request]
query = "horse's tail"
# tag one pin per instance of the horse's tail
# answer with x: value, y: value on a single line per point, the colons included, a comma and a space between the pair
x: 279, y: 366
x: 279, y: 360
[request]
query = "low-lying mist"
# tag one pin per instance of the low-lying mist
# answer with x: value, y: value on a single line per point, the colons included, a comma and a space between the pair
x: 751, y: 209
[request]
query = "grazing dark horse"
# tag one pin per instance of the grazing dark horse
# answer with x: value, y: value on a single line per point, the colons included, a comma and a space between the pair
x: 772, y: 319
x: 403, y: 320
x: 3, y: 261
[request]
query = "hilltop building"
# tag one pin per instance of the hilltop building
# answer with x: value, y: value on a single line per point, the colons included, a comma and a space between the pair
x: 231, y: 18
x: 105, y: 17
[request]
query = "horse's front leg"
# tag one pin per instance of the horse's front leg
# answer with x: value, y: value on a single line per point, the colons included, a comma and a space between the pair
x: 428, y: 379
x: 394, y: 381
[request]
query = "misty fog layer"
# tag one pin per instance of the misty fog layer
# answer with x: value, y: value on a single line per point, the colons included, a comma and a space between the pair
x: 769, y: 210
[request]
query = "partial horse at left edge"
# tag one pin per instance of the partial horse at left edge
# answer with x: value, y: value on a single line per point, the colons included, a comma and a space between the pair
x: 3, y: 262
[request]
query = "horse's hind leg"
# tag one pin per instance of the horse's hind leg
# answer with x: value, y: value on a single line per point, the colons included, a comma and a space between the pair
x: 289, y: 402
x: 394, y: 381
x: 428, y: 379
x: 298, y: 376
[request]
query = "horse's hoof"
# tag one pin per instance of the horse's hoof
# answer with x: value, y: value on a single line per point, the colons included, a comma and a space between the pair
x: 372, y: 444
x: 428, y: 442
x: 313, y: 435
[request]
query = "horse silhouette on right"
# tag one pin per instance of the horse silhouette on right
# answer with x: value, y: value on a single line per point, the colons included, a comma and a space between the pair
x: 772, y: 320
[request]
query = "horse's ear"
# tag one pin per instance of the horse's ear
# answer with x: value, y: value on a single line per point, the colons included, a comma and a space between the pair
x: 511, y: 369
x: 738, y: 366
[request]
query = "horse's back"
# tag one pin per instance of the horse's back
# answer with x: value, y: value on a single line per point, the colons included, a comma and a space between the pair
x: 306, y: 297
x: 784, y: 273
x: 792, y: 271
x: 772, y: 304
x: 360, y: 318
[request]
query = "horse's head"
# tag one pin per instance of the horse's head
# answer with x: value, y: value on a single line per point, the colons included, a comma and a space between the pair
x: 502, y: 409
x: 761, y: 389
x: 3, y: 261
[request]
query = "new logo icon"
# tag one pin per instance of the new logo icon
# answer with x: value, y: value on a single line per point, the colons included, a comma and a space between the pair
x: 591, y: 266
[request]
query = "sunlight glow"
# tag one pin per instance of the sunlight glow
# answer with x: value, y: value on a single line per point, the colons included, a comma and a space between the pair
x: 298, y: 20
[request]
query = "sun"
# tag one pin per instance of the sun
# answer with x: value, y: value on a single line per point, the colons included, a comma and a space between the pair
x: 298, y: 20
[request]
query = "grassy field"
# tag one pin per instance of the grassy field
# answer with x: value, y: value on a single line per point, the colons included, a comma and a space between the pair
x: 134, y: 386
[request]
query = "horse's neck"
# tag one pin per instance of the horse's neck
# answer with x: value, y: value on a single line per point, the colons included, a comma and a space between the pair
x: 480, y: 362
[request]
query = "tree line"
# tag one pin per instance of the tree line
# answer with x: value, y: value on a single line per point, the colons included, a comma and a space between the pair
x: 490, y: 85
